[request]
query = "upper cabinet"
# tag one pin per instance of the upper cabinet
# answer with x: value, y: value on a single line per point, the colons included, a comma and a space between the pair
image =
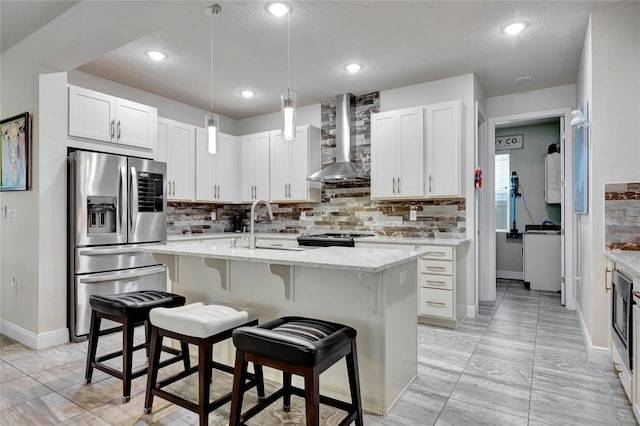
x: 176, y: 146
x: 397, y: 144
x: 443, y: 129
x: 415, y: 152
x: 254, y: 167
x: 97, y: 116
x: 290, y: 164
x: 215, y: 180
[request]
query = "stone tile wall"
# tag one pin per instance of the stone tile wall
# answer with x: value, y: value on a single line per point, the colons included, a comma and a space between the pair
x: 622, y: 216
x: 343, y: 207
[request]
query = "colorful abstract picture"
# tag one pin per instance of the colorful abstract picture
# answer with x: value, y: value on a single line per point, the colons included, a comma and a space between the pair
x: 14, y: 169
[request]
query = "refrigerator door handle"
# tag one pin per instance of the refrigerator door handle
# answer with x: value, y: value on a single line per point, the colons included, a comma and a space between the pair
x: 94, y: 251
x: 133, y: 207
x: 119, y: 276
x: 122, y: 225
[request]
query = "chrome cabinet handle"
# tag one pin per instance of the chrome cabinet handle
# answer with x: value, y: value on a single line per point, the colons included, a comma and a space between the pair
x: 436, y: 268
x: 429, y: 183
x: 606, y: 281
x: 286, y: 193
x: 393, y: 184
x: 398, y: 184
x: 438, y: 283
x: 118, y: 129
x: 174, y: 188
x: 134, y: 203
x: 435, y: 253
x: 429, y: 302
x: 113, y: 128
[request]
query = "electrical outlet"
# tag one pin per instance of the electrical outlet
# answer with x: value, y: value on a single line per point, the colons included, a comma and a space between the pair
x: 633, y: 212
x: 403, y: 277
x: 11, y: 214
x: 413, y: 215
x: 303, y: 215
x: 213, y: 215
x: 14, y: 284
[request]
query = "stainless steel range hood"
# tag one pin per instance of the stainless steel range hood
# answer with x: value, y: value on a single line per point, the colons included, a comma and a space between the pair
x: 344, y: 169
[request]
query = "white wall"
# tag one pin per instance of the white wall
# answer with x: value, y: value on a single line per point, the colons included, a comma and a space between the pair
x: 533, y: 101
x: 309, y: 114
x: 615, y: 131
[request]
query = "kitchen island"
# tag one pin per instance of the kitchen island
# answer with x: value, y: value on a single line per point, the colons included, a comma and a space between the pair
x: 372, y: 290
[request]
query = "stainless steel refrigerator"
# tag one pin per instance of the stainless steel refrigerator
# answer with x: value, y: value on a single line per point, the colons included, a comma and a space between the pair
x: 115, y: 205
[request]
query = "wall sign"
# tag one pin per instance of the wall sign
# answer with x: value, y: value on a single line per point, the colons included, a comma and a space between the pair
x: 509, y: 142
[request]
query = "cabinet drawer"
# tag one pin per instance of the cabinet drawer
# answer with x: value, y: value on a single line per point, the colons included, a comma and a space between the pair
x: 436, y: 302
x: 436, y: 281
x: 438, y: 252
x: 438, y: 267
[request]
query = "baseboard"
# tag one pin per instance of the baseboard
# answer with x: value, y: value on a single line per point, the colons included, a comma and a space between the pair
x: 510, y: 275
x: 600, y: 355
x: 472, y: 311
x: 33, y: 340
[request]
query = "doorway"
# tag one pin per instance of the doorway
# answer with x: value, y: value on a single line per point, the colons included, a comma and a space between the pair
x: 487, y: 240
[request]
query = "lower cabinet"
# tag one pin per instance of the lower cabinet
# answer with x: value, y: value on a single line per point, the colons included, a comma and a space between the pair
x: 440, y: 300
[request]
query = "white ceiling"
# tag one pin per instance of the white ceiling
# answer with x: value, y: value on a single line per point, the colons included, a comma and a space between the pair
x: 399, y: 43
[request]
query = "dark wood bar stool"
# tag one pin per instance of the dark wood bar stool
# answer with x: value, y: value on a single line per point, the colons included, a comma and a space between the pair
x: 301, y: 346
x: 203, y: 326
x: 131, y: 310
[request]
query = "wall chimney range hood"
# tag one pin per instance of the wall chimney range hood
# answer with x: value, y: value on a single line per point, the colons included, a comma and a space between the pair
x: 344, y: 169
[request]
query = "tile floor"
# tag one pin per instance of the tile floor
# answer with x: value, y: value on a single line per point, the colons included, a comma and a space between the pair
x: 522, y: 361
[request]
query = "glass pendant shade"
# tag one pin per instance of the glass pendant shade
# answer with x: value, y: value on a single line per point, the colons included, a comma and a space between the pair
x: 288, y: 104
x: 213, y: 124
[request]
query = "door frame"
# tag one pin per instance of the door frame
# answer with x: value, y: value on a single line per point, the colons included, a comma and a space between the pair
x: 487, y: 226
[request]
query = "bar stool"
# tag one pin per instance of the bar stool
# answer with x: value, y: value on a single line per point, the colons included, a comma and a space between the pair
x: 203, y: 326
x: 131, y: 310
x: 301, y: 346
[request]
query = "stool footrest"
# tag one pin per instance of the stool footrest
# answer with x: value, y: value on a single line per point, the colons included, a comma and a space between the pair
x: 261, y: 405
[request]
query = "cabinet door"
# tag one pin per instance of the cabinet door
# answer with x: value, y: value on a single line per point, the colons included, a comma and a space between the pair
x: 261, y: 166
x: 383, y: 155
x: 135, y: 124
x: 280, y: 158
x: 91, y: 114
x: 443, y: 149
x: 205, y: 168
x: 226, y: 168
x: 160, y: 153
x: 299, y: 159
x: 181, y: 159
x: 410, y: 152
x: 247, y: 159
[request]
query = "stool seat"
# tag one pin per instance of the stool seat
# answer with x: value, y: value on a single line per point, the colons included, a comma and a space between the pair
x: 199, y: 320
x: 294, y: 340
x: 139, y: 302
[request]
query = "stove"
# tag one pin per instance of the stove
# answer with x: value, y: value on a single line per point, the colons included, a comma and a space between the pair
x: 330, y: 239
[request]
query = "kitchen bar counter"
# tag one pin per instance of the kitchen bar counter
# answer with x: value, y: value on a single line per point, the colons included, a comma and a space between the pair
x: 628, y: 259
x: 371, y: 289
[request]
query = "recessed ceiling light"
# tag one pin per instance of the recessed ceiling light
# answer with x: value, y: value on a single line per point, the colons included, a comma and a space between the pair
x: 353, y: 68
x: 247, y: 93
x: 156, y: 55
x: 278, y: 9
x: 523, y: 80
x: 515, y: 28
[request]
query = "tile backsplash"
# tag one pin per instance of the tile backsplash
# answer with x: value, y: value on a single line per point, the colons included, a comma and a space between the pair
x: 622, y: 216
x: 343, y: 207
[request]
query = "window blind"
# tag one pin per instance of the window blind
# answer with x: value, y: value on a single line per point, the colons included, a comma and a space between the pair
x: 502, y: 192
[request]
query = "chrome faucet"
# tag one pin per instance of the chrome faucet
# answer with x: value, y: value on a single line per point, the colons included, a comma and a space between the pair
x: 252, y: 235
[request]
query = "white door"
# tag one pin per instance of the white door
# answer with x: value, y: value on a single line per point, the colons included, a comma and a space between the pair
x: 91, y: 114
x: 280, y: 151
x: 410, y: 168
x: 443, y: 149
x: 384, y: 155
x: 205, y: 168
x: 135, y: 124
x: 181, y: 159
x: 299, y: 159
x: 261, y: 166
x: 226, y: 168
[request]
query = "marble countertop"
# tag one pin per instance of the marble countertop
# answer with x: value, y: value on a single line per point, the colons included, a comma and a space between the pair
x: 628, y: 259
x: 341, y: 258
x: 445, y: 241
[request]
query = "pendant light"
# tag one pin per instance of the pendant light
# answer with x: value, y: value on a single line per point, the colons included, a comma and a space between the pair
x: 212, y: 121
x: 288, y: 98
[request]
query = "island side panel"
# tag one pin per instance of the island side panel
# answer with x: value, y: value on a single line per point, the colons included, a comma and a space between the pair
x: 401, y: 334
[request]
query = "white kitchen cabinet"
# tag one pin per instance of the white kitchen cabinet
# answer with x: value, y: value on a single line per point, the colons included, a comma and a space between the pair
x: 290, y: 164
x: 215, y: 180
x: 442, y: 143
x: 397, y: 154
x: 254, y: 167
x: 97, y: 116
x: 441, y: 300
x: 176, y: 146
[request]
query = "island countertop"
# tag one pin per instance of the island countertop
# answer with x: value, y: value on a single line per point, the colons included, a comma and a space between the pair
x: 341, y: 258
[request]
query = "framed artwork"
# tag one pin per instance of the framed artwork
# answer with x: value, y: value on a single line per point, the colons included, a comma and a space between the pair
x: 14, y: 151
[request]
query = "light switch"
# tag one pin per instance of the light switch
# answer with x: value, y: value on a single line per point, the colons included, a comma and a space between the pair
x: 303, y: 215
x: 11, y: 213
x: 413, y: 215
x: 213, y: 215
